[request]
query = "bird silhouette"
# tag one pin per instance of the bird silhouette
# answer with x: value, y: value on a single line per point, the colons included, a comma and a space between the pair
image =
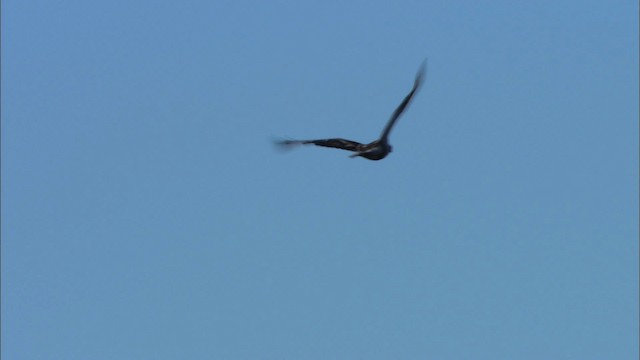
x: 375, y: 150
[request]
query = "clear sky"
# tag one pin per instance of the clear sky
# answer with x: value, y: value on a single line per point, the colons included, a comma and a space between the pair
x: 147, y: 215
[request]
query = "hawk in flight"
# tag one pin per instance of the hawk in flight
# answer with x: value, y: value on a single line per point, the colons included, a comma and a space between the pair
x: 375, y: 150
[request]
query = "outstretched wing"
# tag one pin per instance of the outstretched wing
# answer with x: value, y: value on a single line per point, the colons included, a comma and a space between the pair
x: 332, y: 143
x: 396, y: 114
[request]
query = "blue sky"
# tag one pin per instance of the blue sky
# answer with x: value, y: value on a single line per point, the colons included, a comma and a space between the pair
x: 146, y: 214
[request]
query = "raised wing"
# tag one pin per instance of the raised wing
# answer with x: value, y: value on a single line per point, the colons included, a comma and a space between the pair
x: 396, y: 114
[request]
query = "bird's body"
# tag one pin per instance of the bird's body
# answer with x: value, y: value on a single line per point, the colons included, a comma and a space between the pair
x: 375, y: 150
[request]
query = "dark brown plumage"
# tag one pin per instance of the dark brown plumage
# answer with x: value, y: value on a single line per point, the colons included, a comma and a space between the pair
x: 375, y: 150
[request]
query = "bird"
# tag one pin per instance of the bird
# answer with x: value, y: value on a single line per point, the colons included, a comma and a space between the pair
x: 377, y: 149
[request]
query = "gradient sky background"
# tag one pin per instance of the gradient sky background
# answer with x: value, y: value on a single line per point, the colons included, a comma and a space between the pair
x: 146, y: 214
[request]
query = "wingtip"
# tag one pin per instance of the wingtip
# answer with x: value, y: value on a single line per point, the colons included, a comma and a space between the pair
x: 421, y: 72
x: 283, y: 144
